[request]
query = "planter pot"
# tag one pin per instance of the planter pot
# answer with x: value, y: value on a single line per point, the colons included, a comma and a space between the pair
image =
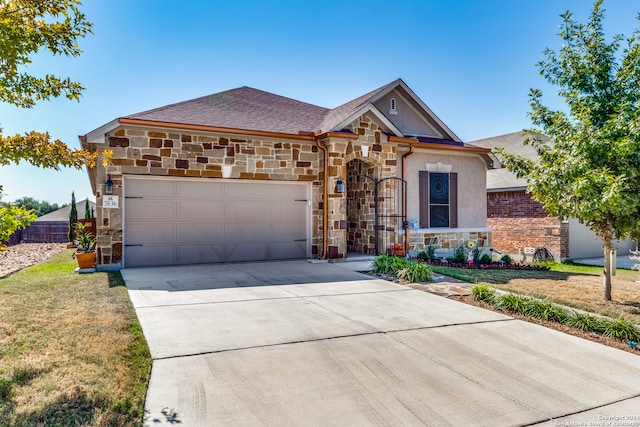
x: 86, y: 259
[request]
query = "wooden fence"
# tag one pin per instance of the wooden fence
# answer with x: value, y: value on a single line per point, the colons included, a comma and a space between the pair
x: 47, y: 232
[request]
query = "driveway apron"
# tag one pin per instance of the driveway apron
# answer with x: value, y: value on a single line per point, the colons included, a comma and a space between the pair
x: 296, y: 343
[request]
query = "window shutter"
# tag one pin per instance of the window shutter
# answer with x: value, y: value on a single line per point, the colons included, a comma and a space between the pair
x: 453, y: 200
x: 423, y: 186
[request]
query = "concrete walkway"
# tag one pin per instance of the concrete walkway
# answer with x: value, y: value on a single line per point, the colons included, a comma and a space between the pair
x: 294, y: 343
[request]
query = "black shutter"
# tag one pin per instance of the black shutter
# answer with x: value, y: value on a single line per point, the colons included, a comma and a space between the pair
x: 424, y: 198
x: 453, y: 200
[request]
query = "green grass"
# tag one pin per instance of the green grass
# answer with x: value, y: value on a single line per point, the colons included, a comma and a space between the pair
x: 71, y: 347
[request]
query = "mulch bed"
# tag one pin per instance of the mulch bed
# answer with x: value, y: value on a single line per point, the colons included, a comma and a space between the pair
x: 492, y: 266
x: 17, y: 257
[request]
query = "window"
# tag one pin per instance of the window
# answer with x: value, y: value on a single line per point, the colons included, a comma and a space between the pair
x: 438, y: 199
x: 392, y: 106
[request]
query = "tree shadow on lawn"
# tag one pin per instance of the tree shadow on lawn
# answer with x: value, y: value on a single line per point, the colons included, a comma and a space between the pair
x: 115, y: 279
x: 503, y: 277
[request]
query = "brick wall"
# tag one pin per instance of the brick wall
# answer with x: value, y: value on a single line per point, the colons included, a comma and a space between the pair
x: 517, y: 222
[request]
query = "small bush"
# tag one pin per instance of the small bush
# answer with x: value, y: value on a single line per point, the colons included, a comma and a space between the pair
x: 386, y: 264
x: 546, y: 310
x: 483, y: 293
x: 428, y: 254
x: 415, y: 272
x: 506, y: 259
x: 460, y: 255
x: 512, y: 302
x: 620, y: 329
x: 586, y: 322
x: 476, y: 255
x: 485, y: 259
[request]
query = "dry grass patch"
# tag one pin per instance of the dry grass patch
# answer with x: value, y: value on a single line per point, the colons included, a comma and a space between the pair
x: 71, y: 347
x: 584, y: 291
x: 571, y: 285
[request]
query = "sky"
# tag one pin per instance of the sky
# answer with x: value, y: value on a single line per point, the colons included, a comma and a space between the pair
x: 472, y: 62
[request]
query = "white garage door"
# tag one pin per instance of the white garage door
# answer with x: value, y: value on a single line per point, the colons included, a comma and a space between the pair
x: 193, y: 221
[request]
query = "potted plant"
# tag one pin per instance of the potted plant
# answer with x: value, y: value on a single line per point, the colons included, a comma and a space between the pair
x: 397, y: 249
x: 86, y: 246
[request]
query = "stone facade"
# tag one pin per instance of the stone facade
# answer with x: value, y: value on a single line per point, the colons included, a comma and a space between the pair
x: 363, y: 148
x: 519, y: 222
x: 448, y: 241
x: 154, y: 152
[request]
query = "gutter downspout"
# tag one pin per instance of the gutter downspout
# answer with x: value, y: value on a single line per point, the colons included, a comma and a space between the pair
x: 325, y: 198
x: 404, y: 199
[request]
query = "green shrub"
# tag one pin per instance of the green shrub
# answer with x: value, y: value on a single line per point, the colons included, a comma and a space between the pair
x: 485, y: 259
x: 460, y: 255
x: 415, y: 272
x: 620, y: 329
x: 476, y: 254
x: 428, y: 254
x: 506, y: 259
x: 484, y: 293
x: 512, y: 302
x: 586, y: 322
x: 545, y: 310
x: 386, y: 264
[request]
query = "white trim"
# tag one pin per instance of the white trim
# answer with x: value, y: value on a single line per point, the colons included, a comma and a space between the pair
x: 97, y: 136
x: 369, y: 108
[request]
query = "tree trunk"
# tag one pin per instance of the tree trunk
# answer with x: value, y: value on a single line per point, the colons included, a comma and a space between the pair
x: 606, y: 279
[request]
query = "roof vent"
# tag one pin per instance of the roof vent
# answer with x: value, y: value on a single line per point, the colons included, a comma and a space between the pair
x: 392, y: 106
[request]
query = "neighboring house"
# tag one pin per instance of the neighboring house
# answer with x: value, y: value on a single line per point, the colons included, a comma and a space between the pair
x: 52, y: 227
x: 518, y: 222
x: 248, y: 175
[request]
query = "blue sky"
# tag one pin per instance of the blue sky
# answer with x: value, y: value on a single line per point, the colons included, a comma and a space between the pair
x: 472, y: 62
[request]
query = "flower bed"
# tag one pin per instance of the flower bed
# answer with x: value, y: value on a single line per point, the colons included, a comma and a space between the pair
x: 492, y: 266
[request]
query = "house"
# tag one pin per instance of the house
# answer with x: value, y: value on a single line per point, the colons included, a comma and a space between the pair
x: 249, y: 175
x: 52, y: 227
x: 518, y: 222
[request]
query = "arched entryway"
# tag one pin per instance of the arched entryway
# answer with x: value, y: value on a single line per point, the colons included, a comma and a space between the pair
x: 375, y: 208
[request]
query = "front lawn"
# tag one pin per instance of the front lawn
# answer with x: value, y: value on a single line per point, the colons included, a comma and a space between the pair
x: 71, y: 348
x: 571, y: 285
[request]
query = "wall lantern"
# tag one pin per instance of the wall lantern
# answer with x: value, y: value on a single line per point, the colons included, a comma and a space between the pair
x: 339, y: 186
x: 108, y: 186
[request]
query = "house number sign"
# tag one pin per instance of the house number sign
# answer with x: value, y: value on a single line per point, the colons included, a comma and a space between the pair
x: 110, y: 202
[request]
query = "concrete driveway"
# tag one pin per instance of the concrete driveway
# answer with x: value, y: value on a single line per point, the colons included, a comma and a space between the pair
x: 294, y: 343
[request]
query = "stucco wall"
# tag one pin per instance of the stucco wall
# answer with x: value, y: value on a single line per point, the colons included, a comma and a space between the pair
x: 472, y: 190
x: 407, y: 118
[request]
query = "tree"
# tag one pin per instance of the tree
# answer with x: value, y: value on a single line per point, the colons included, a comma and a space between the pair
x: 73, y: 218
x: 591, y: 171
x: 87, y: 209
x: 39, y: 207
x: 27, y: 28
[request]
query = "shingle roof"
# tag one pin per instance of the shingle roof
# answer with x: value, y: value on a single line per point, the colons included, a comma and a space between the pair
x: 62, y: 214
x: 241, y: 108
x: 249, y: 108
x: 501, y: 178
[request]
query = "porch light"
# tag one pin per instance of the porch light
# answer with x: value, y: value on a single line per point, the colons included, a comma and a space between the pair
x: 339, y: 186
x: 365, y: 150
x: 108, y: 186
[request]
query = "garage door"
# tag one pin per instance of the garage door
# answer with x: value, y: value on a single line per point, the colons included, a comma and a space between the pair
x: 186, y: 221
